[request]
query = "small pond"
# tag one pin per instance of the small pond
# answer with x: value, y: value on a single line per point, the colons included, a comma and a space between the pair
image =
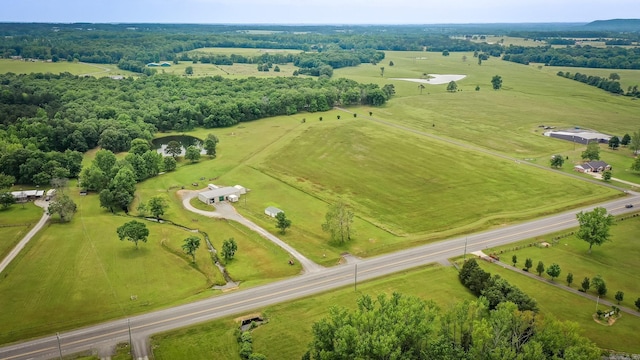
x: 160, y: 144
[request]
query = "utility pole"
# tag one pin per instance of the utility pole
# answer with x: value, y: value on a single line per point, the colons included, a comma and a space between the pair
x: 130, y: 340
x: 464, y: 257
x: 59, y: 347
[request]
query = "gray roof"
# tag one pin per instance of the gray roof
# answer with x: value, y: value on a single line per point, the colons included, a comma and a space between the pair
x: 225, y: 191
x: 273, y: 210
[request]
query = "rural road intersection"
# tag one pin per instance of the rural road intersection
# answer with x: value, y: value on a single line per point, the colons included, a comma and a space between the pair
x: 139, y: 328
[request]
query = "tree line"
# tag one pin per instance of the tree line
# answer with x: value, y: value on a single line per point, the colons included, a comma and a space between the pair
x: 408, y: 327
x: 575, y: 56
x: 610, y: 85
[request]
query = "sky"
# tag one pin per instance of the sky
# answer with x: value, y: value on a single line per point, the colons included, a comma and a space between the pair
x: 317, y: 11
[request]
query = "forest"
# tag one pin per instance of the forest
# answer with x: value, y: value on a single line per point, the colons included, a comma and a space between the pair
x: 577, y: 56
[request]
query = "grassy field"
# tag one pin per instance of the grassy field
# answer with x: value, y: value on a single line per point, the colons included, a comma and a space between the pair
x: 279, y: 339
x: 82, y: 268
x: 26, y: 67
x: 616, y: 261
x: 15, y: 223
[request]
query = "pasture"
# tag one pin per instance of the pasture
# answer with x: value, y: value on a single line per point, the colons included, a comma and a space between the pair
x: 15, y: 223
x: 442, y: 174
x: 75, y: 68
x: 616, y: 260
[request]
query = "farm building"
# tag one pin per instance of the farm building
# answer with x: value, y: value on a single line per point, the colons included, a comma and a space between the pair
x: 218, y: 195
x: 50, y: 194
x: 242, y: 189
x: 581, y: 136
x: 152, y: 64
x: 272, y: 211
x: 592, y: 166
x: 27, y: 195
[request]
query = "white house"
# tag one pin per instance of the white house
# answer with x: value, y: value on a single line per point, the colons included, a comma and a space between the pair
x: 25, y: 195
x: 218, y: 195
x: 272, y: 211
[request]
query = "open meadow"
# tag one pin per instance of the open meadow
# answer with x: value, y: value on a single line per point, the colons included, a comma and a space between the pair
x: 75, y: 68
x: 15, y: 223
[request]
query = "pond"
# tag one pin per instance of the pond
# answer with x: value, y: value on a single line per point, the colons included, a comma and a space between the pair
x: 160, y: 144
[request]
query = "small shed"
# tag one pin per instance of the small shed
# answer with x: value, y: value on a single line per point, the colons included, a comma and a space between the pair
x: 272, y: 211
x: 50, y: 193
x: 212, y: 187
x: 242, y: 189
x: 233, y: 198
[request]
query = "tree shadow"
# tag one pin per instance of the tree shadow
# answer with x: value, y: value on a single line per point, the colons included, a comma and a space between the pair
x: 130, y: 251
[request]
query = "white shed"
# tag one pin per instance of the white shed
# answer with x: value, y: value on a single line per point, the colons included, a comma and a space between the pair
x: 212, y: 187
x: 272, y: 211
x: 242, y: 189
x: 233, y: 198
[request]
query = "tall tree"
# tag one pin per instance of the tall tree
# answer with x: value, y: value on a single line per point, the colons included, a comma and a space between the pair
x: 598, y: 283
x: 6, y: 181
x: 540, y: 268
x: 339, y: 222
x: 586, y: 284
x: 569, y: 279
x: 123, y: 187
x: 64, y: 207
x: 133, y: 231
x: 528, y: 264
x: 452, y: 86
x: 105, y: 160
x: 6, y: 199
x: 496, y: 82
x: 634, y: 144
x: 619, y: 296
x: 557, y: 161
x: 191, y: 244
x: 192, y: 154
x: 169, y: 163
x: 157, y: 205
x: 614, y: 142
x: 282, y: 222
x: 139, y: 146
x: 626, y: 139
x: 635, y: 166
x: 553, y: 271
x: 210, y: 145
x: 229, y: 248
x: 594, y: 226
x: 592, y: 152
x: 173, y: 148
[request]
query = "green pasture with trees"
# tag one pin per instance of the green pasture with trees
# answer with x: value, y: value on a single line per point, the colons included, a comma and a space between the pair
x: 413, y: 163
x: 15, y: 223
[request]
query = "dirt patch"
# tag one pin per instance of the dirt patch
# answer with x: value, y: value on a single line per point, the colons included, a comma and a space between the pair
x: 608, y: 321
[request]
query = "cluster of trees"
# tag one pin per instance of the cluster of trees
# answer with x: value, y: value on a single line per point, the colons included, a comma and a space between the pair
x: 80, y: 113
x: 34, y: 166
x: 577, y: 56
x: 406, y: 327
x: 610, y: 85
x: 494, y: 288
x: 245, y: 340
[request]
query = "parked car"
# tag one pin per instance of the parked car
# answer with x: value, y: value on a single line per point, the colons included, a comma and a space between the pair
x: 629, y: 206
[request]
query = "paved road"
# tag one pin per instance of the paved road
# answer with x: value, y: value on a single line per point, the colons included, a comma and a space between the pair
x: 142, y: 326
x: 16, y: 250
x: 226, y: 211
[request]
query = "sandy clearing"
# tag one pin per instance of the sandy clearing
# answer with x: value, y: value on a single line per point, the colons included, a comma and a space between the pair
x: 435, y: 79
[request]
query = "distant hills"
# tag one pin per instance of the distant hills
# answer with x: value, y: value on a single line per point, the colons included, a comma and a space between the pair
x: 625, y: 25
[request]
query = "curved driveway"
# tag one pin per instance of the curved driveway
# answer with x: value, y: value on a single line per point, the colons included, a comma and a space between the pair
x: 142, y: 326
x: 226, y: 211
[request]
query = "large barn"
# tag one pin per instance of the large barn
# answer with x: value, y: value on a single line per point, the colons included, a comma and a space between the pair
x: 581, y: 136
x: 220, y: 194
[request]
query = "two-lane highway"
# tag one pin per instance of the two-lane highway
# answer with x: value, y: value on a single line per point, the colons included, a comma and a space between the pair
x: 140, y: 327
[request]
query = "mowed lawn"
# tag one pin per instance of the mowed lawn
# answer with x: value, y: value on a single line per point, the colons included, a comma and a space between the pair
x: 507, y: 120
x: 410, y: 184
x: 75, y: 68
x: 80, y: 273
x: 15, y: 223
x: 288, y: 331
x: 616, y: 261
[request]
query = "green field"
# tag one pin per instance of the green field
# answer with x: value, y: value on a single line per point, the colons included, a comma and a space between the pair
x: 278, y: 339
x: 15, y: 223
x: 406, y: 188
x: 616, y: 260
x: 75, y: 68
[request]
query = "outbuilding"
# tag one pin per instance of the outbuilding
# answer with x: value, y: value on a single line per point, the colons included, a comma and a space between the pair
x: 218, y: 195
x: 272, y: 211
x: 242, y: 189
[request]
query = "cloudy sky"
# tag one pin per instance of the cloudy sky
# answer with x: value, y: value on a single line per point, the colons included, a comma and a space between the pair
x: 317, y: 11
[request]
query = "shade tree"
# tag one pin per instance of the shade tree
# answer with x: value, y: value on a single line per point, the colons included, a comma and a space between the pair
x: 190, y: 245
x: 133, y: 231
x: 229, y: 248
x: 594, y: 226
x: 64, y: 206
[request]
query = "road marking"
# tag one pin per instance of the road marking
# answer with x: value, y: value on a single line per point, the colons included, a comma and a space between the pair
x: 29, y: 353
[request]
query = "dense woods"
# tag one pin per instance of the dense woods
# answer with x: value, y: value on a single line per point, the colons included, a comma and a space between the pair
x: 578, y: 56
